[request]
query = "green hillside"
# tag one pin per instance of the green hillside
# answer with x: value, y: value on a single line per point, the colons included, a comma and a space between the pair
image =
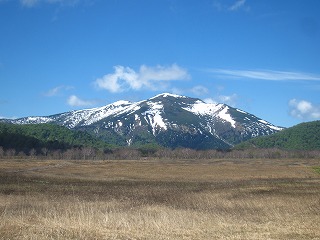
x: 304, y: 136
x: 37, y: 136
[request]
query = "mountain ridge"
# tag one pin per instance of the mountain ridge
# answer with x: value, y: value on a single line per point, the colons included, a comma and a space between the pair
x: 166, y: 119
x: 303, y: 136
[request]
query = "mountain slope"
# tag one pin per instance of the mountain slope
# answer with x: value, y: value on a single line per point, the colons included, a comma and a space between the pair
x: 37, y: 136
x: 166, y: 119
x: 304, y: 136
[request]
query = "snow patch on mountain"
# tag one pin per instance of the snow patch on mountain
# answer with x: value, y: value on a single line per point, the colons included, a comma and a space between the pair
x: 227, y: 117
x: 211, y: 109
x: 120, y: 103
x: 202, y: 108
x: 270, y: 125
x: 33, y: 120
x: 263, y: 121
x: 168, y: 95
x: 241, y: 111
x: 275, y: 127
x: 188, y: 118
x: 89, y: 116
x: 153, y: 116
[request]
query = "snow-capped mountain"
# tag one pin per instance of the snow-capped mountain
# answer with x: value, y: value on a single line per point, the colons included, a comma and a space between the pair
x: 167, y: 119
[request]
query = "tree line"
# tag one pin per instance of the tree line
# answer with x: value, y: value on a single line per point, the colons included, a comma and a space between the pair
x: 48, y: 141
x: 125, y: 153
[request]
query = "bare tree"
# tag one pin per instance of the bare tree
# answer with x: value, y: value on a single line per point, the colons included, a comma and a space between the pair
x: 32, y: 153
x: 1, y: 152
x: 57, y: 154
x: 88, y: 153
x: 45, y: 151
x: 11, y: 153
x: 126, y: 153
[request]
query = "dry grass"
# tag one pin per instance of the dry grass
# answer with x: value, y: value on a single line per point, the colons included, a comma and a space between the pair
x: 248, y: 199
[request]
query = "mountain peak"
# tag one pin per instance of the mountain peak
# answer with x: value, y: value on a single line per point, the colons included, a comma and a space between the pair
x: 168, y: 95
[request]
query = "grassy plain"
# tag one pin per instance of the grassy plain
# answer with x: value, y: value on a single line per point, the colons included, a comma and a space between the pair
x: 152, y: 199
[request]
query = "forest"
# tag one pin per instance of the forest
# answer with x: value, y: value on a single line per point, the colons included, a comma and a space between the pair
x: 304, y: 136
x: 48, y: 141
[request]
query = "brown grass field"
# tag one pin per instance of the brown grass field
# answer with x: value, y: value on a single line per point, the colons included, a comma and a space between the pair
x: 153, y: 199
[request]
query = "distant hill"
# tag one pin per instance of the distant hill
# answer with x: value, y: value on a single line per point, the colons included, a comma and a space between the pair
x: 304, y: 136
x: 36, y: 136
x: 168, y: 120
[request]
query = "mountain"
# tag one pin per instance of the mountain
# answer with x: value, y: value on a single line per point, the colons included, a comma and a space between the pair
x: 167, y: 119
x: 304, y: 136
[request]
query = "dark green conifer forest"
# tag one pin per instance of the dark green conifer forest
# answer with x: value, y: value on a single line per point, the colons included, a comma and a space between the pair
x: 304, y: 136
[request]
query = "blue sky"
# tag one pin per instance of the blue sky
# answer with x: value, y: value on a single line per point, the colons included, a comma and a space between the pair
x: 260, y: 56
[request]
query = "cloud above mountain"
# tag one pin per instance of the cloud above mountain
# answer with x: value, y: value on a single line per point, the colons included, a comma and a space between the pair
x: 150, y: 78
x: 57, y: 90
x: 230, y: 100
x: 237, y: 5
x: 75, y: 101
x: 303, y: 109
x: 234, y: 6
x: 32, y: 3
x: 270, y: 75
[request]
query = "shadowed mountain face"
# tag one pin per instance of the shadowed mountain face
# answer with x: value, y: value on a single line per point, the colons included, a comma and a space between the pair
x: 166, y: 119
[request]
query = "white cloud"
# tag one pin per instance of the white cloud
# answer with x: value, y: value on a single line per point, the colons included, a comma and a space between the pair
x: 151, y: 78
x: 32, y: 3
x: 56, y: 90
x: 177, y: 91
x: 114, y: 82
x: 304, y: 109
x: 52, y: 92
x: 230, y: 100
x: 210, y: 100
x: 266, y: 75
x: 29, y: 3
x: 199, y: 90
x: 237, y: 5
x: 75, y: 101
